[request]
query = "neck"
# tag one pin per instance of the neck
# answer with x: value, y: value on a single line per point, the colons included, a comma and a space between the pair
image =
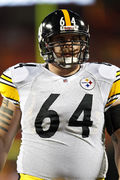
x: 62, y: 71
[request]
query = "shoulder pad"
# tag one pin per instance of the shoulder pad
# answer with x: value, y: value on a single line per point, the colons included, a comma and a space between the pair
x: 19, y: 73
x: 108, y: 71
x: 105, y: 71
x: 24, y: 71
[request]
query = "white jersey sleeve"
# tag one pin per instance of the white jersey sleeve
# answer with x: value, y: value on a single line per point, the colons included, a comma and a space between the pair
x: 17, y: 74
x: 7, y: 88
x: 114, y: 94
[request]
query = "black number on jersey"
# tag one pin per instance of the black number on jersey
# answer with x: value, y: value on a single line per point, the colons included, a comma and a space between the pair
x: 84, y: 106
x: 44, y: 113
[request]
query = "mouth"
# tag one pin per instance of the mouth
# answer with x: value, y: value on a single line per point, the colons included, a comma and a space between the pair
x: 68, y: 55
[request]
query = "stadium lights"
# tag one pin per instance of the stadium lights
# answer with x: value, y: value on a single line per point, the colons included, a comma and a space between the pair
x: 33, y: 2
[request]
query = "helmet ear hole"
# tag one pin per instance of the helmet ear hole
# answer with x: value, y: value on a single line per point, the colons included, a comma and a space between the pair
x: 86, y: 55
x: 42, y: 48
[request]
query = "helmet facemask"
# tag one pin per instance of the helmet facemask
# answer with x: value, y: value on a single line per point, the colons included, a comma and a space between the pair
x: 69, y: 52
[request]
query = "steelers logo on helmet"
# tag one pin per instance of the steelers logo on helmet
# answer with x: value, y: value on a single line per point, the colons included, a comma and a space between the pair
x: 87, y: 83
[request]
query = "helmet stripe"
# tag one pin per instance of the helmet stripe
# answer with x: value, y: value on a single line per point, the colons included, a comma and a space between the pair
x: 67, y: 17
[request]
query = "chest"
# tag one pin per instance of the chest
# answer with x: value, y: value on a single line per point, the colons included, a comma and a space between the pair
x: 64, y: 104
x: 66, y: 94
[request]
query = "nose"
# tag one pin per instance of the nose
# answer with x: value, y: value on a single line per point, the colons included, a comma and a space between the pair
x: 68, y: 42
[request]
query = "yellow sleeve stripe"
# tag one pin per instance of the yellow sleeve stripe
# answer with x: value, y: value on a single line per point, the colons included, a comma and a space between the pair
x: 110, y: 102
x: 118, y: 73
x: 9, y: 92
x: 67, y: 17
x: 115, y: 88
x: 29, y: 177
x: 6, y: 78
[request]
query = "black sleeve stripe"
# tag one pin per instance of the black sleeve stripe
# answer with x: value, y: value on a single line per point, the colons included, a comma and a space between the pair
x: 23, y: 64
x: 7, y: 84
x: 109, y: 103
x: 118, y: 75
x: 113, y: 96
x: 116, y: 79
x: 15, y: 101
x: 7, y: 76
x: 6, y: 80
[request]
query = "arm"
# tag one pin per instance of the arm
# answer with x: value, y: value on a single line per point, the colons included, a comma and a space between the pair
x: 10, y: 116
x: 113, y: 127
x: 116, y: 143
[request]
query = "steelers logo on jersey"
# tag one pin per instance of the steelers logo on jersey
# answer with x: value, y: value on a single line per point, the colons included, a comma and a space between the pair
x: 87, y: 83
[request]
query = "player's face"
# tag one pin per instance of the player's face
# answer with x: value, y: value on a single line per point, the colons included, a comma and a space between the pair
x: 67, y: 45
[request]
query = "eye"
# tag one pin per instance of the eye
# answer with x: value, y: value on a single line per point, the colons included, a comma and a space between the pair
x: 76, y: 38
x: 61, y: 39
x: 83, y: 38
x: 57, y: 39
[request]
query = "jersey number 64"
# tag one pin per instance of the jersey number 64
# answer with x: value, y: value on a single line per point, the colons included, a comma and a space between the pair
x: 84, y: 106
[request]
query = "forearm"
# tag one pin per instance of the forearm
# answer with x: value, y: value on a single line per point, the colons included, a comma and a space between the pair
x: 3, y: 154
x: 12, y: 130
x: 9, y: 126
x: 5, y: 144
x: 117, y: 160
x: 116, y: 144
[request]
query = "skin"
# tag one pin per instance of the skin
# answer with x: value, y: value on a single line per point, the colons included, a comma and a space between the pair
x: 65, y: 50
x: 116, y: 144
x: 10, y: 116
x: 63, y: 72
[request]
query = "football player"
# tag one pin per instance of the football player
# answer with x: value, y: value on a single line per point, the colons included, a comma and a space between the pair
x: 61, y: 106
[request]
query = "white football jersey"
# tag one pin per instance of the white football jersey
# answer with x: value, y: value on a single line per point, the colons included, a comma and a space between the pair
x: 62, y: 118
